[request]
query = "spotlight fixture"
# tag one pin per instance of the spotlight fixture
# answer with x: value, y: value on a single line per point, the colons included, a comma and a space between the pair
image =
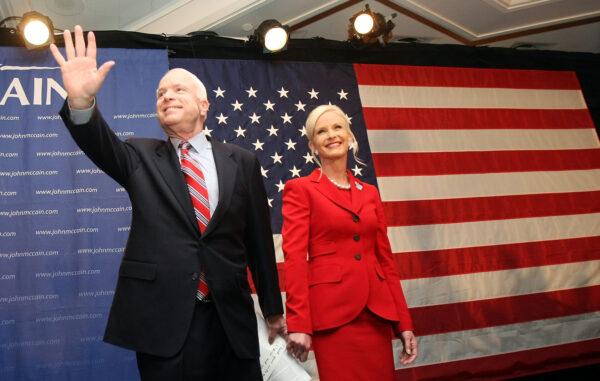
x: 271, y: 35
x: 36, y: 30
x: 369, y: 27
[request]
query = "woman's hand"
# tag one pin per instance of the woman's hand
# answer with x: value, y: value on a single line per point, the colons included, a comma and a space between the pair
x: 298, y: 344
x: 409, y: 342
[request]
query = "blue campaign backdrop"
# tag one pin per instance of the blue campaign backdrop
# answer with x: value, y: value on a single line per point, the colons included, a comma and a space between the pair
x: 63, y: 223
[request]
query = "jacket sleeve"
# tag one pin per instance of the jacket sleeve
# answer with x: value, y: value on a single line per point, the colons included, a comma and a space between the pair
x: 95, y: 138
x: 384, y: 256
x: 295, y: 231
x: 260, y: 248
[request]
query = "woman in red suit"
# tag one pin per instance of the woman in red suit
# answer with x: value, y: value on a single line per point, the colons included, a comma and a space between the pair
x: 344, y: 298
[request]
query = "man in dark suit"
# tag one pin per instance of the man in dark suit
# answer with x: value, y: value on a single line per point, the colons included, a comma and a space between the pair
x: 182, y: 300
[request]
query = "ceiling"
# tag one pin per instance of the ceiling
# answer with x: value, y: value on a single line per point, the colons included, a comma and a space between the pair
x: 567, y: 25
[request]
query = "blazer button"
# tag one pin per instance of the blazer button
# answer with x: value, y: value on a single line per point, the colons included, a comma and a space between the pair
x: 355, y: 218
x: 357, y: 238
x: 195, y: 276
x: 357, y: 257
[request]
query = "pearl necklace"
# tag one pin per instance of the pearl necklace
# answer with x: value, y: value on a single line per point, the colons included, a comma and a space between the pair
x: 341, y: 186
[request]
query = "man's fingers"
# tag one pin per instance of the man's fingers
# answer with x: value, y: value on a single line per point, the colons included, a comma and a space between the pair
x: 272, y: 334
x: 79, y: 42
x: 60, y: 60
x: 69, y: 49
x: 303, y: 357
x: 91, y: 46
x: 104, y: 69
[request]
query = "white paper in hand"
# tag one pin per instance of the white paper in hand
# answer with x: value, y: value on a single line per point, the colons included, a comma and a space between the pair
x: 275, y: 362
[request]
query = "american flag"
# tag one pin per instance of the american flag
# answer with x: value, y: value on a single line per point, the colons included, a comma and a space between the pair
x: 491, y: 185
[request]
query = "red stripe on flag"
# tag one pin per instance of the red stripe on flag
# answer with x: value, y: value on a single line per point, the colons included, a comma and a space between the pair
x: 444, y: 163
x: 400, y: 75
x: 280, y: 271
x: 507, y: 310
x: 412, y: 265
x: 468, y: 119
x: 426, y: 212
x: 513, y: 364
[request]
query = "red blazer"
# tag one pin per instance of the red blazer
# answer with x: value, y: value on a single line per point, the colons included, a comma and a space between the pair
x: 337, y: 256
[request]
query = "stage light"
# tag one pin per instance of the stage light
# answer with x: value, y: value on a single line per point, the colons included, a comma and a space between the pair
x: 271, y: 35
x: 36, y: 30
x: 369, y: 27
x: 363, y: 23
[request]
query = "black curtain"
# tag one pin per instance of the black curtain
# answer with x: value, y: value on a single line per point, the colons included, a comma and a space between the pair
x: 208, y: 45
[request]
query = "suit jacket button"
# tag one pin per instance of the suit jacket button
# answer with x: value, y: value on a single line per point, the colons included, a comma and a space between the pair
x: 357, y: 257
x: 355, y: 218
x: 195, y: 276
x: 357, y: 238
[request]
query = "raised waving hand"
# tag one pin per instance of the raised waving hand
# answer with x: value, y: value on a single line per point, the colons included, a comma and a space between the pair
x: 82, y: 79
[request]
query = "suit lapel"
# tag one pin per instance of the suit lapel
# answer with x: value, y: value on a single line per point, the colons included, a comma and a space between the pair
x: 168, y: 166
x: 327, y: 189
x: 226, y: 172
x: 356, y: 187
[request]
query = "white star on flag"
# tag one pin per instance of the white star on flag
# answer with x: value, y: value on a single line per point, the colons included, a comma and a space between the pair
x: 258, y: 145
x: 207, y: 131
x: 222, y: 118
x: 276, y: 158
x: 357, y: 170
x: 264, y: 172
x: 255, y: 118
x: 313, y: 94
x: 237, y: 105
x: 272, y: 130
x: 280, y: 185
x: 270, y: 201
x: 286, y: 118
x: 302, y: 131
x: 300, y: 106
x: 295, y: 171
x: 343, y: 94
x: 240, y: 132
x: 283, y: 92
x: 290, y: 145
x: 308, y: 158
x: 251, y: 92
x: 269, y: 105
x: 219, y: 92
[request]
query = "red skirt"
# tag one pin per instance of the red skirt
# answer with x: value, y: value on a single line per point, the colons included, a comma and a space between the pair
x: 359, y: 350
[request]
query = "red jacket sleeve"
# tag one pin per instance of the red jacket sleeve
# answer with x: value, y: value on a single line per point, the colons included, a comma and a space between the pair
x: 295, y: 232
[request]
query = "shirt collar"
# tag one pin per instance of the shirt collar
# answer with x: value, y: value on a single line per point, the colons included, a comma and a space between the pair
x: 199, y: 142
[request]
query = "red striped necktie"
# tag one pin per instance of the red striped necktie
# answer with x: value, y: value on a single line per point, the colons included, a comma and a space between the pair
x: 199, y: 195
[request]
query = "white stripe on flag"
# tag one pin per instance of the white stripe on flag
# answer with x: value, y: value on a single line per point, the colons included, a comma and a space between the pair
x: 391, y: 141
x: 497, y: 284
x: 493, y: 232
x: 462, y: 345
x: 401, y: 188
x: 278, y: 240
x: 466, y: 97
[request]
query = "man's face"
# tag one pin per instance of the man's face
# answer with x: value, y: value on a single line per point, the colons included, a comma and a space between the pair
x: 178, y: 106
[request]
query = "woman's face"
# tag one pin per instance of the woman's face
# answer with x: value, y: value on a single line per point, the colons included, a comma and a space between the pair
x: 331, y: 138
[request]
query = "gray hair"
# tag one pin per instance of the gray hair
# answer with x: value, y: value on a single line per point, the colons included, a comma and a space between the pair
x: 311, y: 123
x: 200, y: 88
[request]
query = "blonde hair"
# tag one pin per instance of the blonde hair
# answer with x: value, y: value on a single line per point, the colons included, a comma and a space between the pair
x: 311, y: 123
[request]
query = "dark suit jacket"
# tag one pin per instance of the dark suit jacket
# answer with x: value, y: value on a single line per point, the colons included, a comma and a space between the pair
x: 349, y: 264
x: 155, y: 295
